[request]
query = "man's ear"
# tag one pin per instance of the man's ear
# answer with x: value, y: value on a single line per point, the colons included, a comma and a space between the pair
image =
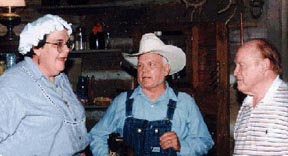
x: 167, y: 69
x: 266, y: 64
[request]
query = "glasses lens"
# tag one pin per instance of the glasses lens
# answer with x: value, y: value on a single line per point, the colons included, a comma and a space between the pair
x: 70, y: 44
x: 61, y: 46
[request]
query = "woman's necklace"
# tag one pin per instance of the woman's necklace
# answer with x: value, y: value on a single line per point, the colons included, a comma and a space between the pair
x: 43, y: 91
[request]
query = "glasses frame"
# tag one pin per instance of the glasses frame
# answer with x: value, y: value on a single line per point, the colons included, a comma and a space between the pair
x: 60, y: 45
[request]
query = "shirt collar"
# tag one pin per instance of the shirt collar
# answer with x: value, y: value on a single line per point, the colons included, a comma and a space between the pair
x: 169, y: 92
x: 32, y: 67
x: 269, y: 94
x: 272, y: 90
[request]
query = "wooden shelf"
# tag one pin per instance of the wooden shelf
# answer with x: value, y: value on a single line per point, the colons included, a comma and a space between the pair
x: 95, y: 51
x: 131, y: 3
x: 90, y: 8
x: 95, y: 107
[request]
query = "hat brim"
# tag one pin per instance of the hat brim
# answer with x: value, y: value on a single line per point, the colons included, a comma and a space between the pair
x: 175, y: 56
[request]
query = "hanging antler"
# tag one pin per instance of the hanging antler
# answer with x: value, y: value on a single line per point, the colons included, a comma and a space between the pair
x: 227, y: 6
x: 231, y: 16
x: 233, y: 4
x: 195, y: 6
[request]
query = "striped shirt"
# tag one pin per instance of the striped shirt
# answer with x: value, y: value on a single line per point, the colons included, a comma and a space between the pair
x: 263, y: 130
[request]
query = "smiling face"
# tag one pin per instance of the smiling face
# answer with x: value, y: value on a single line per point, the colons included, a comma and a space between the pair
x: 152, y: 71
x: 49, y: 59
x: 250, y: 69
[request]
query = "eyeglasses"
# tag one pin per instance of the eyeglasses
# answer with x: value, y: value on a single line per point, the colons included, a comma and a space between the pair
x: 60, y: 45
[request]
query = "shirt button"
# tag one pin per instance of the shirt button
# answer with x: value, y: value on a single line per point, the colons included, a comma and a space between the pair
x: 75, y: 119
x: 80, y: 137
x: 139, y: 130
x: 66, y: 103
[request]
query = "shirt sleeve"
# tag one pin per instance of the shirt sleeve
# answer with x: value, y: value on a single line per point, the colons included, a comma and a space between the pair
x: 198, y: 140
x: 11, y: 115
x: 109, y: 123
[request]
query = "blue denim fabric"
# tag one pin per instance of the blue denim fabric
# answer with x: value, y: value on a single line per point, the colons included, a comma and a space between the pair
x: 144, y: 136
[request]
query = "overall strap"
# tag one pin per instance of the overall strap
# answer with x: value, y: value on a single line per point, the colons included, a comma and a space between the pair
x: 171, y: 107
x: 129, y: 103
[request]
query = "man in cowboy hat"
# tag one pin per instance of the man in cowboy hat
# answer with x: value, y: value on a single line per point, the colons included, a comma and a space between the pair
x: 153, y: 118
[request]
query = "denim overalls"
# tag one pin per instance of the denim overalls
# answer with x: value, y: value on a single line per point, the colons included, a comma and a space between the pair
x: 143, y: 135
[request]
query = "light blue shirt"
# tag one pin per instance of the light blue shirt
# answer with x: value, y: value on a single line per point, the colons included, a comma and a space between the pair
x: 37, y: 117
x: 187, y: 121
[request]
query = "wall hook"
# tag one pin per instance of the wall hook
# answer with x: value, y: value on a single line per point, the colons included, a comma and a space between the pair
x: 256, y: 8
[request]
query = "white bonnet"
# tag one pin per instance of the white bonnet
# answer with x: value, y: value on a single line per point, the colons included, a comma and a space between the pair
x: 34, y: 32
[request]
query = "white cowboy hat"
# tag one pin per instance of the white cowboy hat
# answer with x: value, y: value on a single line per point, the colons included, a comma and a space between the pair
x: 150, y: 43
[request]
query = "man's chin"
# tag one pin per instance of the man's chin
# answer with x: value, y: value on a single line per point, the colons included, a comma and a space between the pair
x: 60, y: 70
x: 242, y: 89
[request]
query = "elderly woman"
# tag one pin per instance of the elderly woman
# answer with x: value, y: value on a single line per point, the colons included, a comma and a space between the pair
x: 40, y: 115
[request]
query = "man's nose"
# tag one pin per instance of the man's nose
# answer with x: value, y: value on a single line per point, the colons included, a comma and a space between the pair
x: 235, y: 72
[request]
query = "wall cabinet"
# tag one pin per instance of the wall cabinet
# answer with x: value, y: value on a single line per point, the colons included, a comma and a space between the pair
x: 210, y: 80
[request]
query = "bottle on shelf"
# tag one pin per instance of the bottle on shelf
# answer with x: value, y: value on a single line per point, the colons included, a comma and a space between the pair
x: 107, y: 41
x: 10, y: 60
x: 80, y: 39
x: 91, y: 88
x: 72, y: 39
x: 82, y: 89
x: 97, y: 37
